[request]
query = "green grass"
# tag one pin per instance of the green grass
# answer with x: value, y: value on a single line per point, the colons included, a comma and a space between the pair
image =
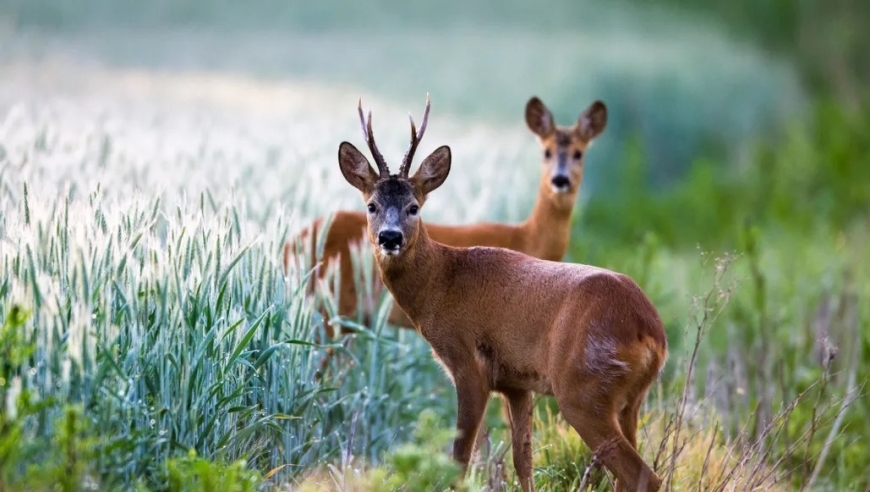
x: 177, y: 332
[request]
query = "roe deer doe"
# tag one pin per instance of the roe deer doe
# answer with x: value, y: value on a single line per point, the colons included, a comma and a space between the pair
x: 543, y: 235
x: 501, y: 321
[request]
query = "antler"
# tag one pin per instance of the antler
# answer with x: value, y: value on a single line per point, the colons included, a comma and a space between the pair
x: 369, y: 137
x: 415, y: 139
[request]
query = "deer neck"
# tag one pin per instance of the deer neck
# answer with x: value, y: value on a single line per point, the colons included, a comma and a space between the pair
x: 409, y: 277
x: 548, y: 228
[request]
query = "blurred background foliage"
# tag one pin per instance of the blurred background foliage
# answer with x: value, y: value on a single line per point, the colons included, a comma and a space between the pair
x: 687, y: 77
x: 680, y: 79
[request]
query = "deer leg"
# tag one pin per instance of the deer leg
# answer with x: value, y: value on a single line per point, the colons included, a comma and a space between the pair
x: 327, y: 336
x: 628, y: 418
x: 472, y: 395
x: 601, y: 432
x: 520, y: 406
x: 593, y: 407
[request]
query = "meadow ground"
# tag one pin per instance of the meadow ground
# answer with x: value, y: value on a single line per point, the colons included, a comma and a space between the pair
x: 145, y: 314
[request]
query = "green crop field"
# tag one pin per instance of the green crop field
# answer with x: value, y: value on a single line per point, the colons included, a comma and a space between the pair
x: 154, y: 159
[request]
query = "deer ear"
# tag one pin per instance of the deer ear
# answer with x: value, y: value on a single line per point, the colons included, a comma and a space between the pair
x: 433, y: 171
x: 356, y: 168
x: 539, y: 118
x: 592, y: 121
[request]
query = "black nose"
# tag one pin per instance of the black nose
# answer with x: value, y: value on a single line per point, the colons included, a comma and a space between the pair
x: 390, y: 239
x: 560, y: 181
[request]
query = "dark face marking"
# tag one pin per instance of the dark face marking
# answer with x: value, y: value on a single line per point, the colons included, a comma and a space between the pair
x: 395, y: 219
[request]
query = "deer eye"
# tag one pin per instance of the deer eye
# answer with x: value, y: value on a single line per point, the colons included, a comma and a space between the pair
x: 413, y: 209
x: 577, y: 155
x: 372, y: 208
x: 547, y: 154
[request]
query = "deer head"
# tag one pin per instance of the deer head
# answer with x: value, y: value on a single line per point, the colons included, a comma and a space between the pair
x: 564, y: 147
x: 393, y: 200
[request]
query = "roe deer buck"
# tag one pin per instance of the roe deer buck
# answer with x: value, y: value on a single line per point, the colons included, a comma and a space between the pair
x: 543, y: 235
x: 501, y: 321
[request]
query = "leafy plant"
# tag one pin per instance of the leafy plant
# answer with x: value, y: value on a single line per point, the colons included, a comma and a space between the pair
x: 195, y: 474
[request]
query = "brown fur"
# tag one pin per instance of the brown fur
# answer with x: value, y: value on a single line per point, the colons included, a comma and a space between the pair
x: 501, y: 321
x: 543, y: 235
